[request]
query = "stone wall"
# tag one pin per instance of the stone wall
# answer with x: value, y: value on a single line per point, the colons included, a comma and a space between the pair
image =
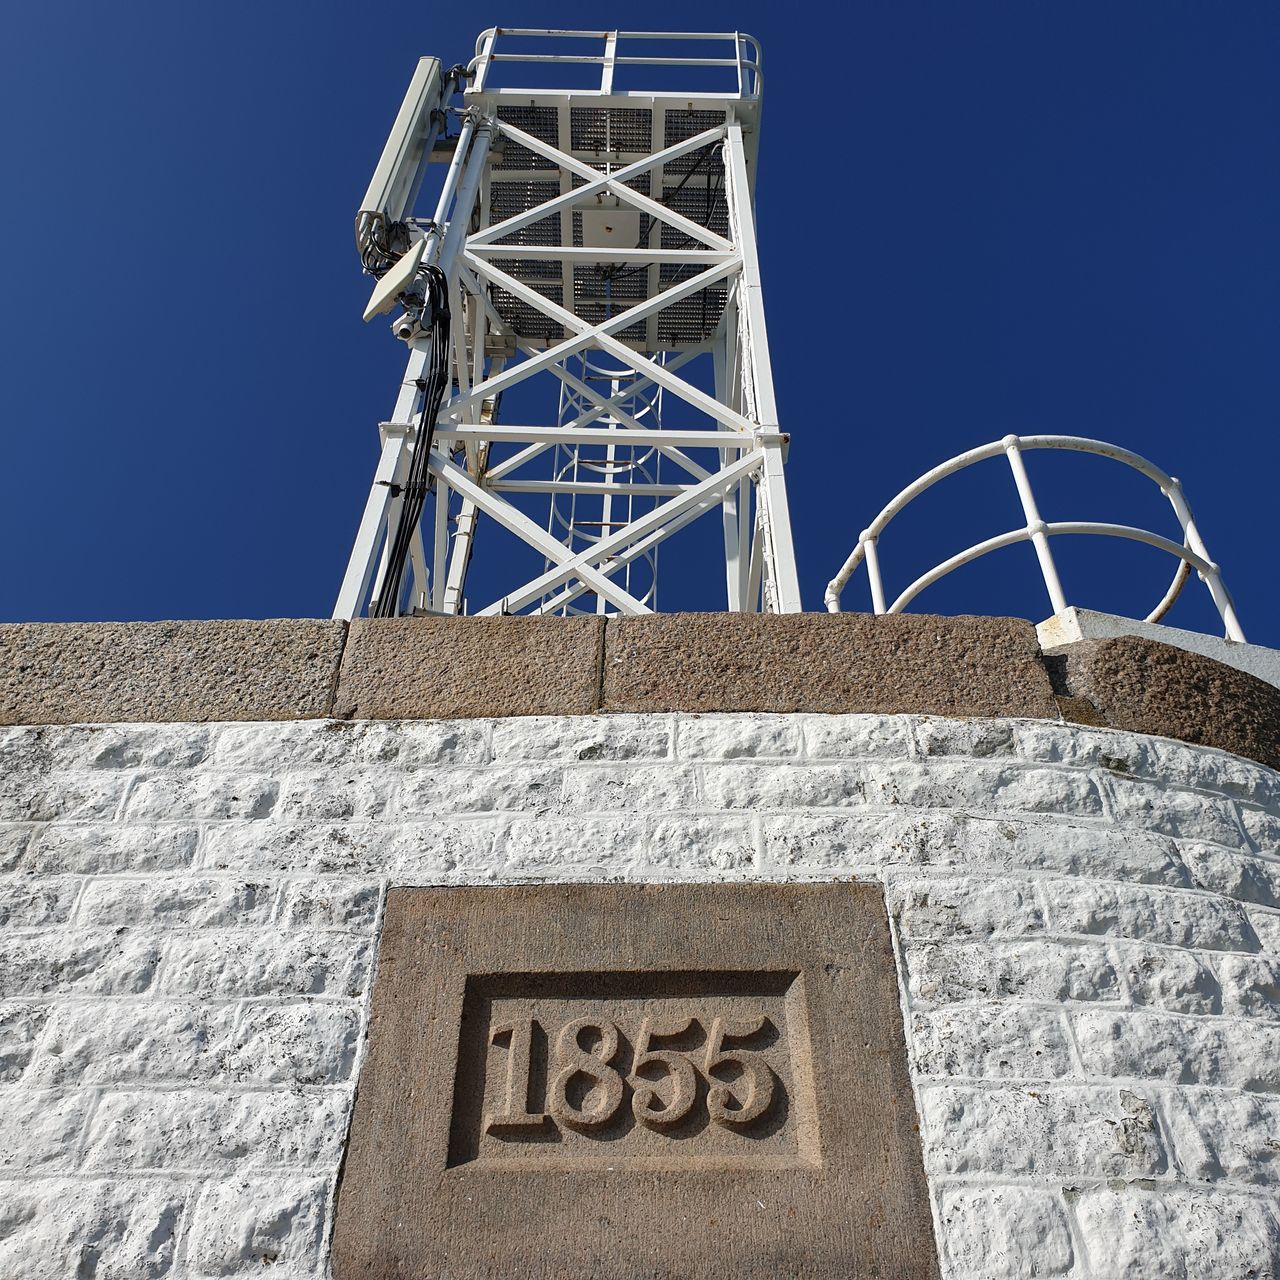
x: 1086, y: 923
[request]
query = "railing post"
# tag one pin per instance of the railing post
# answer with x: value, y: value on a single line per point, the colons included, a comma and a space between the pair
x: 1191, y: 535
x: 1035, y: 525
x: 872, y: 557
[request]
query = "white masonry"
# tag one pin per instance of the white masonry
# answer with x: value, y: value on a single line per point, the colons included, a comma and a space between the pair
x: 1086, y: 924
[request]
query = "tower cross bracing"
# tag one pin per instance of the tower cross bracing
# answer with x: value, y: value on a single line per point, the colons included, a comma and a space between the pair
x: 607, y: 378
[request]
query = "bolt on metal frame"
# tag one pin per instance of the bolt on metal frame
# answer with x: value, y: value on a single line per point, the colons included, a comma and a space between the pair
x: 1191, y: 553
x: 517, y: 317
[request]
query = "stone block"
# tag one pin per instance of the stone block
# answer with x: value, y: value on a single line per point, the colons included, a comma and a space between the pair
x: 642, y: 788
x: 1039, y: 970
x: 1137, y: 1233
x: 961, y: 907
x: 203, y: 1130
x: 63, y: 673
x: 257, y: 1226
x: 1234, y: 1052
x: 1149, y: 687
x: 40, y: 1131
x: 107, y: 1229
x: 738, y: 738
x: 991, y: 1041
x: 295, y: 1044
x: 1169, y: 916
x: 104, y: 1043
x: 821, y: 662
x: 350, y: 745
x: 1250, y: 986
x: 573, y: 738
x: 266, y: 962
x: 1062, y: 1132
x: 92, y: 848
x: 119, y: 961
x: 1169, y: 978
x: 1225, y: 1135
x: 438, y: 668
x: 176, y: 903
x: 166, y: 797
x: 20, y: 1027
x: 1005, y: 1233
x: 636, y: 1081
x: 846, y: 737
x: 493, y: 788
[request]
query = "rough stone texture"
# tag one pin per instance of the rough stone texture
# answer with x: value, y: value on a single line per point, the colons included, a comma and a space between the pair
x: 846, y: 662
x: 444, y: 668
x: 64, y: 673
x: 428, y: 668
x: 1086, y: 925
x: 1148, y: 687
x: 827, y: 1182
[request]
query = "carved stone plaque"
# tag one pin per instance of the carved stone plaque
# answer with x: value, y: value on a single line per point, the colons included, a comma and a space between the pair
x: 626, y: 1081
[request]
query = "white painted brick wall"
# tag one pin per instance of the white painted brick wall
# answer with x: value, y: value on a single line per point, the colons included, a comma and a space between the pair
x: 1087, y: 926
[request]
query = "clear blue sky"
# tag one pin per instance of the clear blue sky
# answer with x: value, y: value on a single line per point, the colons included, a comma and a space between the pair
x: 1032, y: 217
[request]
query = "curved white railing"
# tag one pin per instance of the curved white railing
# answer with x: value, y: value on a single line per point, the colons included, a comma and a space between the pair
x: 1191, y: 553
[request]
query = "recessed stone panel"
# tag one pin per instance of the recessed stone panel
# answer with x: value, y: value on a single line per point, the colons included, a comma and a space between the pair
x: 642, y: 1080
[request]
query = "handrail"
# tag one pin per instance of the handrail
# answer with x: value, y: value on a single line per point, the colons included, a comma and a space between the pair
x: 1191, y: 553
x: 746, y: 55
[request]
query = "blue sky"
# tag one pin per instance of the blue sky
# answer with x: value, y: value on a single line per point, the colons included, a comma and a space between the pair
x: 974, y: 219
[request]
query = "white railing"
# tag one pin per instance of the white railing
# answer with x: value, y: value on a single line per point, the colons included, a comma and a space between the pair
x: 1191, y: 553
x: 745, y: 60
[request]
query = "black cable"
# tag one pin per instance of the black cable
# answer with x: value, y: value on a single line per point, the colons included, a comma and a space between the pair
x: 415, y: 488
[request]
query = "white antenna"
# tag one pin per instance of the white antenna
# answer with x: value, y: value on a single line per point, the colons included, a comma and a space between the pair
x: 592, y: 257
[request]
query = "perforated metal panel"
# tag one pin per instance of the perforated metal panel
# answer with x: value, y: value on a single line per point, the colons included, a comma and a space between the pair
x: 606, y: 138
x: 611, y: 129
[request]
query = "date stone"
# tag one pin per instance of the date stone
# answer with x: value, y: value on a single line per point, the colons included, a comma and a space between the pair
x: 641, y: 1080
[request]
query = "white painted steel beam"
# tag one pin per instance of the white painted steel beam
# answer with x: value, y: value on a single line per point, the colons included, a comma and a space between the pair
x: 600, y: 484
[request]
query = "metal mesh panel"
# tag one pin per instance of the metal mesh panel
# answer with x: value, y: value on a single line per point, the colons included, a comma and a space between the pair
x: 640, y: 182
x: 692, y: 319
x: 530, y: 269
x: 611, y: 129
x: 595, y: 313
x: 687, y: 124
x: 623, y: 288
x: 692, y: 201
x: 527, y: 321
x: 541, y: 123
x: 506, y: 199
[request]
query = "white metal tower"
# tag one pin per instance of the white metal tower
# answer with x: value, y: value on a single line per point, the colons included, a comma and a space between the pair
x: 588, y: 366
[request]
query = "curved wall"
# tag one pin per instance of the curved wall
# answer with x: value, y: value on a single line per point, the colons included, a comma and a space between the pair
x: 1086, y: 924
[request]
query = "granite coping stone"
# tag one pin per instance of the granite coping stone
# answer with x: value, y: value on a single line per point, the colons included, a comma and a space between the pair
x: 455, y: 668
x: 1147, y: 687
x: 846, y: 662
x: 75, y: 672
x: 447, y: 668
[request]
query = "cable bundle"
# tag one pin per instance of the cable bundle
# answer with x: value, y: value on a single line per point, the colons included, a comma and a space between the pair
x: 432, y: 388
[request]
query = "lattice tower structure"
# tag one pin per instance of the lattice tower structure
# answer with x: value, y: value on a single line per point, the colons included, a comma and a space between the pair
x: 607, y: 378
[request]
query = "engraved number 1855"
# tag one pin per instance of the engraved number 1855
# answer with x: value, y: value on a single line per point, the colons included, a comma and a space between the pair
x: 588, y: 1075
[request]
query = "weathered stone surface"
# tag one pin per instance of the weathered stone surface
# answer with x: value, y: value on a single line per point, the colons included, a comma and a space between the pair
x: 1040, y: 1129
x: 437, y: 668
x: 1006, y: 1233
x: 825, y: 663
x: 1149, y: 687
x: 252, y: 1226
x: 992, y: 1041
x: 1135, y: 1233
x: 200, y: 1129
x: 770, y: 1131
x: 60, y: 673
x: 192, y: 914
x: 107, y: 1229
